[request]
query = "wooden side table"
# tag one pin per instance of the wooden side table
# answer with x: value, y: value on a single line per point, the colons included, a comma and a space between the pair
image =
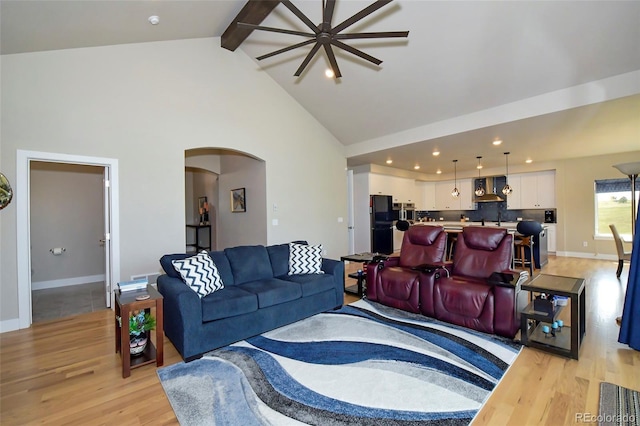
x: 567, y: 342
x: 126, y: 303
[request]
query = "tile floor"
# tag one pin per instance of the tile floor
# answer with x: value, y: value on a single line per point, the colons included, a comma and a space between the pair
x: 53, y: 303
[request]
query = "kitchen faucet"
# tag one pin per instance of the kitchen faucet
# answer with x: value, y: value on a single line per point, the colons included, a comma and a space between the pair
x: 499, y: 217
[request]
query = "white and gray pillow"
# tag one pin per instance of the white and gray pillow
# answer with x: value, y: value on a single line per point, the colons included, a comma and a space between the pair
x: 200, y: 273
x: 305, y: 259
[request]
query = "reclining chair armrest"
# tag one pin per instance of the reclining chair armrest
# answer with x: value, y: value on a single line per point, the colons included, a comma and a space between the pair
x: 447, y: 267
x: 433, y: 267
x: 372, y: 269
x: 382, y: 262
x: 509, y: 278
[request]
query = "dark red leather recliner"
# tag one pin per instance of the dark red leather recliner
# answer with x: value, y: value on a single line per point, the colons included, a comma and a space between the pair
x: 478, y: 290
x: 394, y: 281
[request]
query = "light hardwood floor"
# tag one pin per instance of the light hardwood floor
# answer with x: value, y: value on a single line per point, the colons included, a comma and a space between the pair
x: 66, y: 372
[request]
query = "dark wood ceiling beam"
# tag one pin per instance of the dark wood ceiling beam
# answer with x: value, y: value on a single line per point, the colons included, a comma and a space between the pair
x: 253, y: 12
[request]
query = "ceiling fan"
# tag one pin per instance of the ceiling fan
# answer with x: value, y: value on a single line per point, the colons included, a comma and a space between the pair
x: 324, y: 35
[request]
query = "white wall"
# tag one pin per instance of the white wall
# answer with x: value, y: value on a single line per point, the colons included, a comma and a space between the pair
x: 144, y: 105
x: 242, y: 228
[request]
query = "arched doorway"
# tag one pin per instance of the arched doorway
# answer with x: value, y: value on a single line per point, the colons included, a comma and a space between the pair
x: 214, y: 173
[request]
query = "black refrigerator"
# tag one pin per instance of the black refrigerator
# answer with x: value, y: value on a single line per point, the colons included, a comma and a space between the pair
x: 381, y: 211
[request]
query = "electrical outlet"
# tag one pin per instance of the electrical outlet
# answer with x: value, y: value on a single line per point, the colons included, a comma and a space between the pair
x: 585, y: 244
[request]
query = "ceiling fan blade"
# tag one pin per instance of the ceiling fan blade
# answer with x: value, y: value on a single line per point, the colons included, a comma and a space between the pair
x: 356, y: 52
x: 306, y: 61
x: 327, y: 14
x: 274, y: 30
x: 286, y: 49
x: 332, y: 61
x: 301, y: 16
x: 372, y: 35
x: 358, y: 16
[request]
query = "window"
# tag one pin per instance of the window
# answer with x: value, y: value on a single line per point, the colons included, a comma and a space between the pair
x: 613, y: 205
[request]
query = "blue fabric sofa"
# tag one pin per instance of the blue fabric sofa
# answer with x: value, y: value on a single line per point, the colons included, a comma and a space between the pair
x: 258, y: 296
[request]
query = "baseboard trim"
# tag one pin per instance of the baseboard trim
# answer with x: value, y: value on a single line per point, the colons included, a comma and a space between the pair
x: 41, y: 285
x: 9, y: 325
x: 582, y: 255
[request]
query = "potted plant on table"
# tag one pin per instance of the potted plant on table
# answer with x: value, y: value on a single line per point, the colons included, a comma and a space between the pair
x: 140, y: 323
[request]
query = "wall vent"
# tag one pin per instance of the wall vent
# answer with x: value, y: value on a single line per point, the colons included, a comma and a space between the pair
x: 152, y: 277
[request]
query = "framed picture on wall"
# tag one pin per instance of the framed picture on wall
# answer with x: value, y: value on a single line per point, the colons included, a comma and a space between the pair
x: 238, y: 200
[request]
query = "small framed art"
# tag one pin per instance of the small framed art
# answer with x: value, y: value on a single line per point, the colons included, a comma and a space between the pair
x: 238, y: 200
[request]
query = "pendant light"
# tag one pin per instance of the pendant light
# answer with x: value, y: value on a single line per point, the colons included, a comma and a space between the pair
x: 507, y: 189
x: 479, y: 189
x: 455, y: 193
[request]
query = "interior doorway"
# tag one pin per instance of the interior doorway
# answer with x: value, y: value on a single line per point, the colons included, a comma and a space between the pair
x: 67, y: 240
x: 25, y: 160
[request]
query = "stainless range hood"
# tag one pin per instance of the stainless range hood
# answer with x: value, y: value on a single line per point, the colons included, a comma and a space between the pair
x: 491, y: 194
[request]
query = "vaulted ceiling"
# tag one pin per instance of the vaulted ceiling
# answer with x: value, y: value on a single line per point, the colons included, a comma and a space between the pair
x: 552, y: 79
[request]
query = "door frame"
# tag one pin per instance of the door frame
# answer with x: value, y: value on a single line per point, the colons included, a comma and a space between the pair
x: 23, y: 220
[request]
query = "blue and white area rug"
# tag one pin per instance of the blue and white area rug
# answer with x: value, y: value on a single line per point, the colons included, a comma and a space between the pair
x: 365, y: 364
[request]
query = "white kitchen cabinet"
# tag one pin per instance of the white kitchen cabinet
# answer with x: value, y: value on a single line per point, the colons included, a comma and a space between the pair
x: 403, y: 190
x: 551, y: 237
x: 444, y: 200
x: 538, y: 190
x: 514, y: 199
x: 397, y: 239
x: 466, y: 194
x: 380, y: 184
x: 426, y: 196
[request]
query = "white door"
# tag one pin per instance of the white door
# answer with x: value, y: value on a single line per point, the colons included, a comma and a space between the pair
x: 350, y: 213
x: 107, y: 237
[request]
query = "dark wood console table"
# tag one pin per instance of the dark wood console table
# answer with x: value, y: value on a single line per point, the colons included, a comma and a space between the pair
x: 196, y: 245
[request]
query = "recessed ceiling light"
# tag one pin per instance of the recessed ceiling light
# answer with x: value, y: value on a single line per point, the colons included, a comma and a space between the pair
x: 439, y: 172
x: 389, y: 161
x: 436, y: 153
x: 416, y: 167
x: 497, y: 142
x: 529, y: 161
x: 329, y: 73
x: 154, y: 20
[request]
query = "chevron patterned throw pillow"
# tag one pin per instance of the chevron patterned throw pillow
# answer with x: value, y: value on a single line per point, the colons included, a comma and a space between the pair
x: 199, y: 273
x: 304, y: 259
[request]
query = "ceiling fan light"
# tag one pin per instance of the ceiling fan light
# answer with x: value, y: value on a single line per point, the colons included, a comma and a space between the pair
x: 329, y: 73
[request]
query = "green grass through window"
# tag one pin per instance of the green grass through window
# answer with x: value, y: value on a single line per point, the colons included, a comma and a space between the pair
x: 613, y: 211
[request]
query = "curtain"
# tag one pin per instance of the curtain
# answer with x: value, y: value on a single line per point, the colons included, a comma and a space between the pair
x: 630, y: 327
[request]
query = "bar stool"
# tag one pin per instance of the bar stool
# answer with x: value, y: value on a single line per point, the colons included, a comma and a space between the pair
x: 452, y: 239
x: 520, y: 243
x: 527, y: 230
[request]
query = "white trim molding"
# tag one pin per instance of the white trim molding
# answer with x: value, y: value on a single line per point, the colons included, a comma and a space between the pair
x: 582, y: 255
x: 66, y: 282
x: 23, y: 228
